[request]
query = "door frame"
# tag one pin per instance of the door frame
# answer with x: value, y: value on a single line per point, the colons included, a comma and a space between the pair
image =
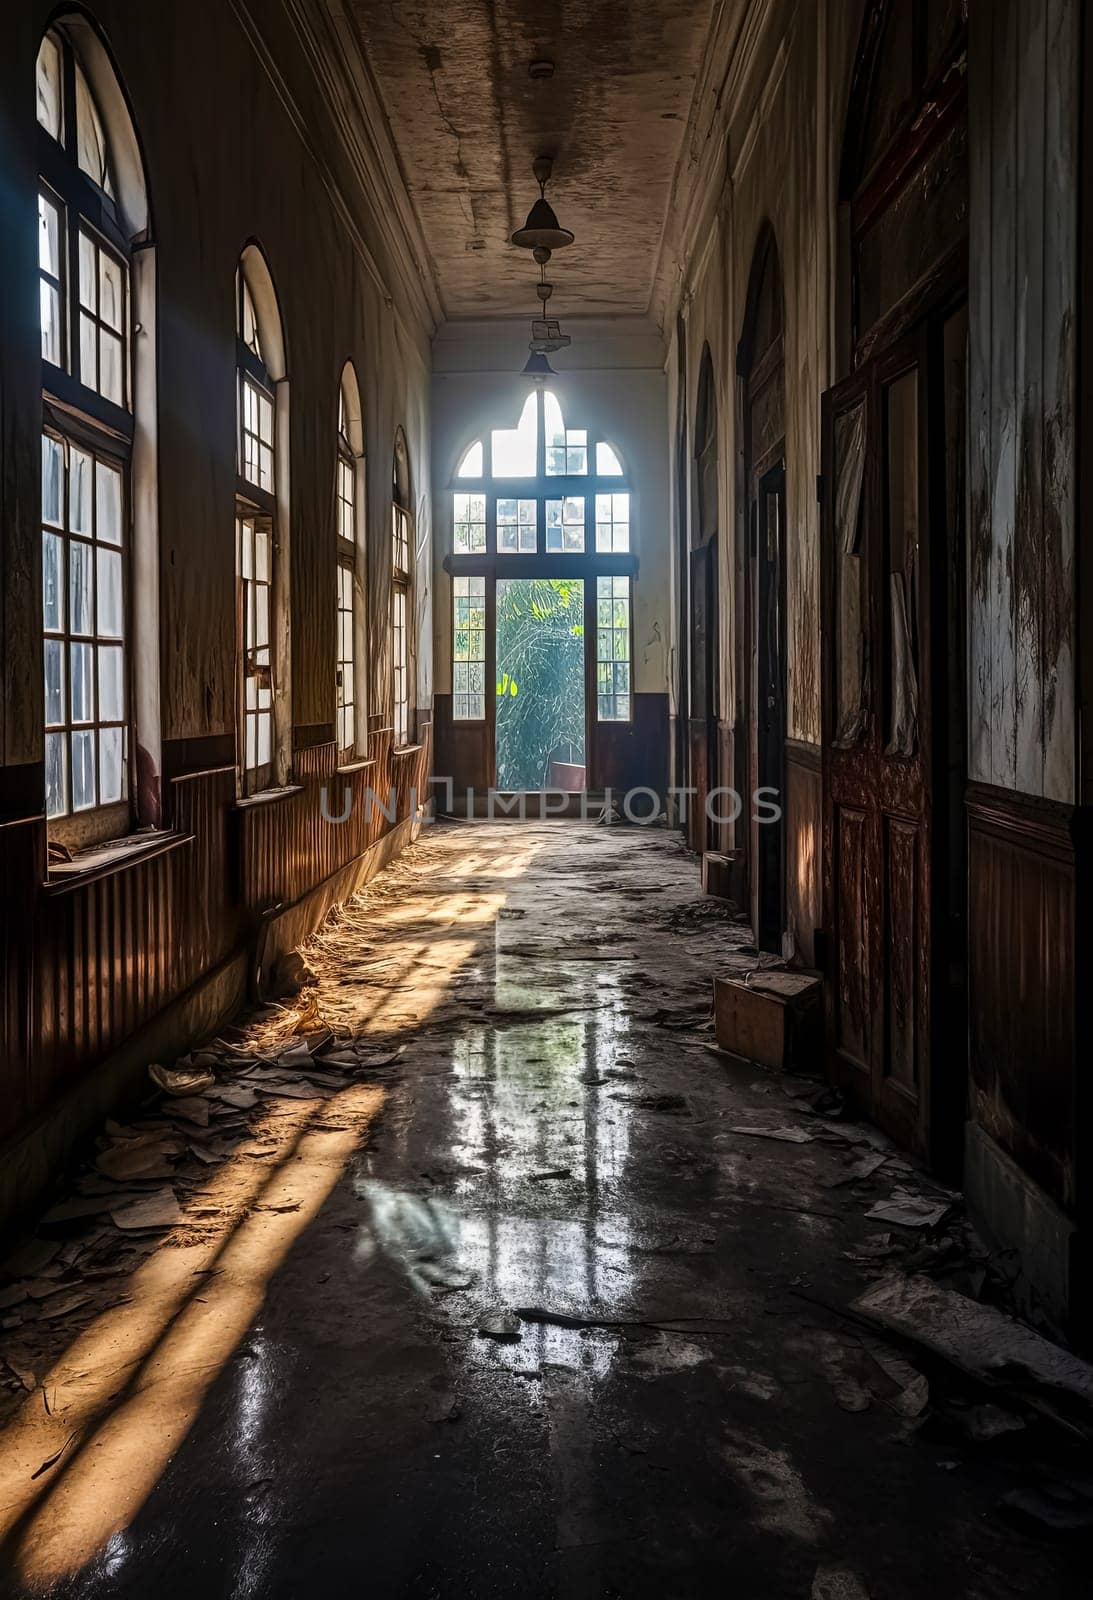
x: 918, y: 1120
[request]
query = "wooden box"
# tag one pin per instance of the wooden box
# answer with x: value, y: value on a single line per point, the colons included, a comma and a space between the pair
x: 770, y: 1017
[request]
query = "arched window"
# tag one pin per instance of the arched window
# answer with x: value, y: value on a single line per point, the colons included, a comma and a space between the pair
x: 350, y: 546
x: 92, y: 217
x: 261, y: 507
x: 542, y: 501
x: 402, y: 551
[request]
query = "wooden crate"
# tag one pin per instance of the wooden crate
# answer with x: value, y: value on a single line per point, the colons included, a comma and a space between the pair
x: 770, y: 1017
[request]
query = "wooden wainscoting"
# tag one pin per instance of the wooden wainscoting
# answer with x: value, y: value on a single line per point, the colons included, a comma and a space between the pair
x: 1022, y: 982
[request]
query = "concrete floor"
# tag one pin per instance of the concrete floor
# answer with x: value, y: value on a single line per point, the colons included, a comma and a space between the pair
x: 294, y: 1397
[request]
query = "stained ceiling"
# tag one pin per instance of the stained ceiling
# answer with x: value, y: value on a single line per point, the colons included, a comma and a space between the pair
x: 468, y: 120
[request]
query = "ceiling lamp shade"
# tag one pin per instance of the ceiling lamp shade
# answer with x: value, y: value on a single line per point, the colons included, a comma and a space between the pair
x: 541, y: 231
x: 538, y: 368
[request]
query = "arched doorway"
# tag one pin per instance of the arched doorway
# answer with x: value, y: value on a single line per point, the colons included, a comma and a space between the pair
x: 543, y: 561
x: 894, y: 448
x: 761, y: 367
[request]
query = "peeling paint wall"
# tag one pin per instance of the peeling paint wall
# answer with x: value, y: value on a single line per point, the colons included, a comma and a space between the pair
x: 770, y: 155
x: 782, y: 147
x: 1023, y: 132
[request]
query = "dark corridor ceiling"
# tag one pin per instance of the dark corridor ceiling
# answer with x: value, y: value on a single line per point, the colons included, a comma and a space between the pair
x: 468, y: 120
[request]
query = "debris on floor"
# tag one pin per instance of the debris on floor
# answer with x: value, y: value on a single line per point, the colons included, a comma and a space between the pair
x: 785, y: 1135
x: 909, y: 1210
x: 985, y: 1343
x: 838, y: 1583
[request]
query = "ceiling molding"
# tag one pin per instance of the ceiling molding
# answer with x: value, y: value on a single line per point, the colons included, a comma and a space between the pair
x: 332, y: 51
x: 733, y: 58
x: 738, y: 165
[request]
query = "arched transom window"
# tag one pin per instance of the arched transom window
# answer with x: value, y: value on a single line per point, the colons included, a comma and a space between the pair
x: 540, y: 488
x: 542, y: 501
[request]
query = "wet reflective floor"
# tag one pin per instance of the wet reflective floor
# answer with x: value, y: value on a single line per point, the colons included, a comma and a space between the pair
x: 523, y: 1313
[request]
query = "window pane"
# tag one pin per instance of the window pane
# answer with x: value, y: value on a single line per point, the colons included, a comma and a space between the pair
x: 612, y: 522
x: 472, y: 464
x: 88, y: 281
x: 515, y: 449
x: 83, y: 771
x: 90, y: 140
x: 110, y: 369
x: 248, y: 332
x: 111, y: 291
x: 111, y: 766
x: 49, y: 237
x: 851, y: 619
x: 261, y: 553
x: 111, y: 690
x: 53, y: 592
x: 50, y: 311
x: 48, y: 84
x: 470, y: 524
x: 53, y: 461
x: 110, y: 602
x: 902, y: 588
x: 81, y: 659
x: 56, y: 774
x: 469, y: 649
x: 613, y: 649
x: 79, y: 491
x: 81, y: 588
x: 54, y: 657
x: 89, y: 354
x: 107, y: 504
x: 608, y: 464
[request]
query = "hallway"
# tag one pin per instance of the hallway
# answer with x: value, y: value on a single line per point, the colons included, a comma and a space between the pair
x: 313, y: 1383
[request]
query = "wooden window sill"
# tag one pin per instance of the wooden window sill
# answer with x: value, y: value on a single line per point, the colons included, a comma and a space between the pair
x: 268, y: 797
x: 347, y: 767
x: 406, y: 750
x: 102, y: 861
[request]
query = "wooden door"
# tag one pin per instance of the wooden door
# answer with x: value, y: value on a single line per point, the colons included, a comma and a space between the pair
x: 876, y: 558
x: 768, y: 708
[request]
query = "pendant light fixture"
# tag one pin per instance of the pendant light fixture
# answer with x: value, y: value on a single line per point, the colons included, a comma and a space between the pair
x: 542, y: 234
x: 542, y: 231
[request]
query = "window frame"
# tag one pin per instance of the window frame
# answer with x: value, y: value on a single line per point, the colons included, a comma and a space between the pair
x: 588, y: 563
x: 346, y: 549
x: 81, y: 418
x: 258, y: 505
x: 402, y: 590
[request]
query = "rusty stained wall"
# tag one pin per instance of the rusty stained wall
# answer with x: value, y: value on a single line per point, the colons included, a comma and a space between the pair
x: 1023, y: 117
x: 469, y: 121
x: 226, y: 162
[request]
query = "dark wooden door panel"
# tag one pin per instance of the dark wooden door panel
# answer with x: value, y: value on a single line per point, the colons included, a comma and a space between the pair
x: 853, y: 988
x: 904, y: 977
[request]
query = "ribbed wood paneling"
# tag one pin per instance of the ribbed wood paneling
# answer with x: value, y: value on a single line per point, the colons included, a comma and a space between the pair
x: 89, y: 961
